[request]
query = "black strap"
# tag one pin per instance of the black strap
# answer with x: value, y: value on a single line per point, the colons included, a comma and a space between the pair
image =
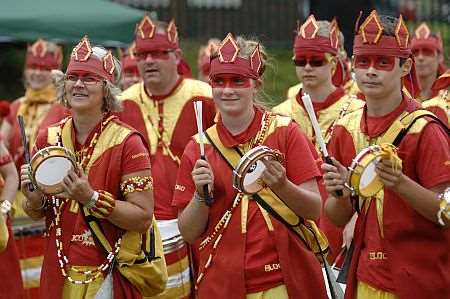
x: 404, y: 131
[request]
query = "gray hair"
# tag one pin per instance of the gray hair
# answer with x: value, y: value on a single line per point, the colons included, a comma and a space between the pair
x: 111, y: 98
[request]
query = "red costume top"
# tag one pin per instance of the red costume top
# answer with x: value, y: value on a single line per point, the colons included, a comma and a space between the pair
x: 120, y: 150
x: 383, y: 239
x: 256, y: 252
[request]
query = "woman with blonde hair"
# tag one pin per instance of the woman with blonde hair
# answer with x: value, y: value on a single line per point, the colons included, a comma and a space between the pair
x: 244, y: 251
x: 111, y: 185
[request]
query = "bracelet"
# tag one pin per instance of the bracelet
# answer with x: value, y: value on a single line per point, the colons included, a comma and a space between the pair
x: 444, y: 209
x: 104, y: 205
x: 92, y: 201
x: 201, y: 199
x: 5, y: 207
x: 43, y: 205
x: 136, y: 184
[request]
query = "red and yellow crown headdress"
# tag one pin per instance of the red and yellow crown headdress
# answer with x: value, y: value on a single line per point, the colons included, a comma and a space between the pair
x: 371, y: 40
x: 308, y: 38
x: 228, y: 61
x: 82, y: 59
x: 423, y: 38
x: 148, y: 39
x: 128, y: 60
x: 38, y: 55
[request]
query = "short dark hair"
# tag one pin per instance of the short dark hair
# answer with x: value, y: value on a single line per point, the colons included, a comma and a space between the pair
x: 389, y: 24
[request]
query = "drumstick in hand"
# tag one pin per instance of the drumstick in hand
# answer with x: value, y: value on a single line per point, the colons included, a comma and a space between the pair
x: 198, y: 108
x: 25, y: 146
x: 319, y: 138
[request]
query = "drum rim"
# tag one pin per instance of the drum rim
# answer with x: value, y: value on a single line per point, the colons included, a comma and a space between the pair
x: 52, y: 189
x: 250, y: 157
x: 356, y: 176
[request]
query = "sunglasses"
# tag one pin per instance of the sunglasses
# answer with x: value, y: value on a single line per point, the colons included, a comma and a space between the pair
x: 231, y: 81
x: 381, y: 63
x: 314, y: 61
x: 157, y: 54
x: 424, y: 51
x: 87, y: 79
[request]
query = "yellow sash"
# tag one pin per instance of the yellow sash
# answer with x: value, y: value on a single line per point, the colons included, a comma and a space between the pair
x: 307, y: 230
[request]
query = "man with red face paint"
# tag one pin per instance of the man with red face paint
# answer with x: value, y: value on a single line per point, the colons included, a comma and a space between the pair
x: 401, y: 238
x: 428, y: 53
x: 161, y: 108
x: 39, y: 109
x: 244, y: 251
x: 315, y: 50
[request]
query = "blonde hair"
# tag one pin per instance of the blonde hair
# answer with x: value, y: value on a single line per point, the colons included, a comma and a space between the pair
x: 111, y: 91
x: 247, y: 46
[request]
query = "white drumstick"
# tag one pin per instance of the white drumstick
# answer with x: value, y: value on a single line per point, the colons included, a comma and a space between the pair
x: 198, y: 107
x: 312, y: 116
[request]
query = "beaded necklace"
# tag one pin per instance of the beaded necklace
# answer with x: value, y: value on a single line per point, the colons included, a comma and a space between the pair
x: 159, y: 131
x: 57, y: 205
x: 222, y: 224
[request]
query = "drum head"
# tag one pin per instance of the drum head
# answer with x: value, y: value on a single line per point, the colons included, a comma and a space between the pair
x: 251, y: 180
x: 52, y: 171
x: 369, y: 174
x: 370, y: 183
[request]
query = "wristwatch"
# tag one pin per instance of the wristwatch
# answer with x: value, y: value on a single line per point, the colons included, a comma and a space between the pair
x: 5, y: 207
x: 444, y: 206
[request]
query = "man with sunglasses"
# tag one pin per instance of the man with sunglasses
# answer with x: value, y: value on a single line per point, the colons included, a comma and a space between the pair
x: 401, y: 238
x: 315, y: 50
x: 161, y: 108
x: 427, y: 49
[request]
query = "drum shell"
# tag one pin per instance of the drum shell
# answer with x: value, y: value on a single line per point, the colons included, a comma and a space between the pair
x: 357, y: 168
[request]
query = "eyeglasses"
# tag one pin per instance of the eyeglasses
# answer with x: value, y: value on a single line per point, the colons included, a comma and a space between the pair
x: 87, y: 80
x: 232, y: 81
x: 158, y: 54
x: 381, y: 63
x: 424, y: 51
x: 314, y: 61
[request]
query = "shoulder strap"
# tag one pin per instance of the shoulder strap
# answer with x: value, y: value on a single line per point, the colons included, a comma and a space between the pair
x: 398, y: 130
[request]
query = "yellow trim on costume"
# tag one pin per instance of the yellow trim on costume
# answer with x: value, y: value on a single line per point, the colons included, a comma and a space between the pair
x: 173, y: 107
x: 326, y: 117
x: 365, y: 291
x: 269, y: 196
x: 279, y: 292
x: 351, y: 122
x: 442, y: 100
x: 244, y: 214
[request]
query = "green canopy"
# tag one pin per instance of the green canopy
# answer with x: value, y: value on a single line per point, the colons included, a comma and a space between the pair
x: 105, y: 22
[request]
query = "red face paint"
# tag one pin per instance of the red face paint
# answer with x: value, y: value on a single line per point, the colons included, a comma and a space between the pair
x: 85, y: 77
x: 428, y: 52
x: 231, y: 81
x: 156, y: 54
x: 378, y: 62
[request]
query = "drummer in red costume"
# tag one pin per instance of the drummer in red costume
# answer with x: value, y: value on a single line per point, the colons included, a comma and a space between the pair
x: 315, y: 51
x: 400, y: 247
x: 429, y: 56
x: 161, y: 108
x: 244, y: 251
x: 130, y: 72
x: 39, y: 109
x: 112, y: 184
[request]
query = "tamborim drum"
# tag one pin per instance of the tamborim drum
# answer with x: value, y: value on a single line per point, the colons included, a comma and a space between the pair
x: 50, y: 166
x: 246, y: 176
x: 363, y: 178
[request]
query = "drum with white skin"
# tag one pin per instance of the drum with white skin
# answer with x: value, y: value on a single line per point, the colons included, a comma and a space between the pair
x: 247, y: 175
x: 50, y: 166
